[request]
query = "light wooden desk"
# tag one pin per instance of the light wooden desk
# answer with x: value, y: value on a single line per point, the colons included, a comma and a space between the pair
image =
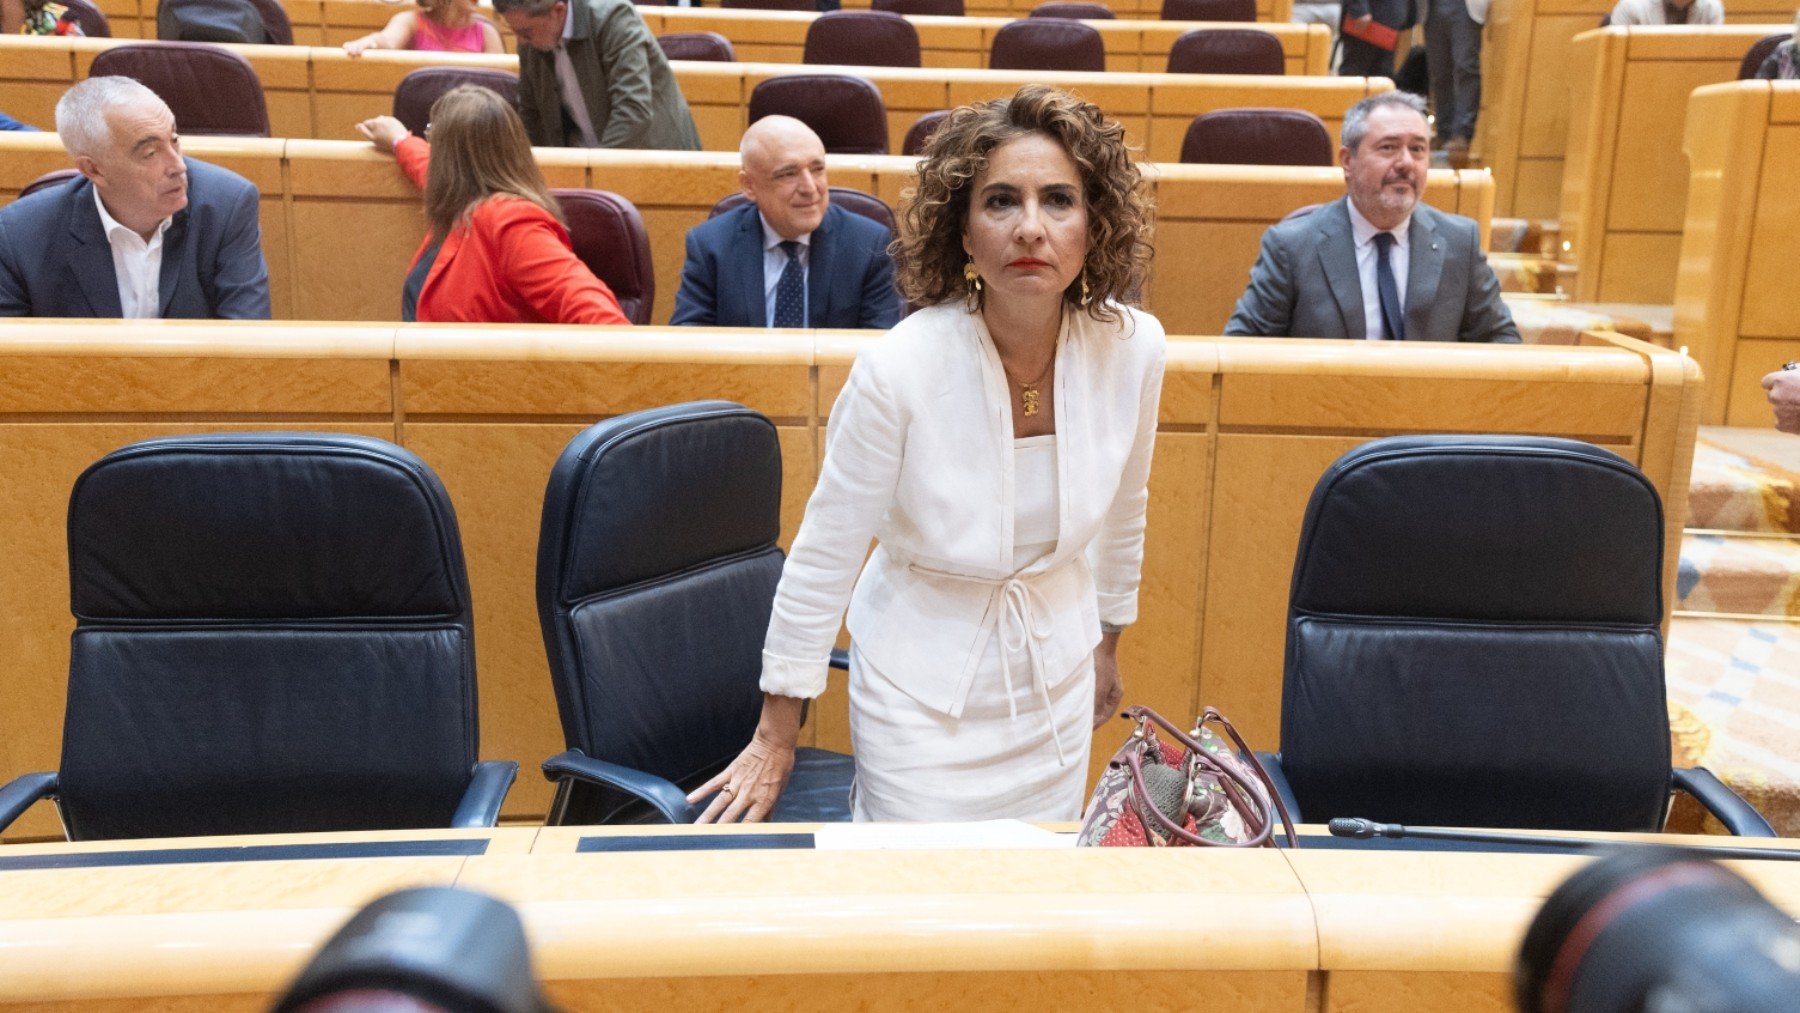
x: 797, y: 928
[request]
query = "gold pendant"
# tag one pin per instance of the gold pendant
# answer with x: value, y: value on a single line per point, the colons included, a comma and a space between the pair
x: 1028, y: 396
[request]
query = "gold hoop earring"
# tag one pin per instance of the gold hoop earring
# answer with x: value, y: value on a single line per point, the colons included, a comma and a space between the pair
x: 972, y: 276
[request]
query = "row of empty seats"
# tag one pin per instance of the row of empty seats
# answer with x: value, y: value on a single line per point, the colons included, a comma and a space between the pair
x: 214, y: 91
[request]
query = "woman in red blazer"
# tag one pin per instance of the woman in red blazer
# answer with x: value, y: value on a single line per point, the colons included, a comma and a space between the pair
x: 497, y: 251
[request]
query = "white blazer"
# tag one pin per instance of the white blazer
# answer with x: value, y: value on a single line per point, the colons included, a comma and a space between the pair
x: 918, y: 456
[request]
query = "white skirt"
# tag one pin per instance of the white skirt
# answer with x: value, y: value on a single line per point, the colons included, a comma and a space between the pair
x: 917, y: 764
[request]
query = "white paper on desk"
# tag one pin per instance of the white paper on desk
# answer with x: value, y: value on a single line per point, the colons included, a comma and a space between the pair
x: 1001, y: 834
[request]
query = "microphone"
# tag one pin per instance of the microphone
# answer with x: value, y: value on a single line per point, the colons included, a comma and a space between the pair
x: 1363, y: 830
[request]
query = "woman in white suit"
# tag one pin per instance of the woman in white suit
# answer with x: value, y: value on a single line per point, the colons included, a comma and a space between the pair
x: 996, y: 446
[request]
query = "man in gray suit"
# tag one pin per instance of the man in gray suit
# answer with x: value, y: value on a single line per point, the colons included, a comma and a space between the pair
x: 592, y: 76
x: 1377, y: 263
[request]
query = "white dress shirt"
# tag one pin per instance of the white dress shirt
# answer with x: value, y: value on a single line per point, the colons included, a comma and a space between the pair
x: 774, y: 262
x: 1398, y: 258
x: 570, y: 86
x: 137, y: 265
x: 920, y: 458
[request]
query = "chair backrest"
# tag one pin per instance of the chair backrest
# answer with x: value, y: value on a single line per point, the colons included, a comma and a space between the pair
x: 1758, y: 52
x: 845, y: 111
x: 1227, y: 51
x: 55, y: 177
x: 1257, y: 137
x: 709, y: 46
x: 1078, y: 11
x: 1473, y: 638
x: 769, y: 5
x: 273, y: 634
x: 419, y: 89
x: 1209, y: 10
x: 919, y: 134
x: 609, y: 236
x: 862, y: 38
x: 1047, y: 44
x: 656, y: 575
x: 854, y: 201
x: 921, y: 8
x: 210, y: 89
x: 240, y: 21
x: 93, y: 23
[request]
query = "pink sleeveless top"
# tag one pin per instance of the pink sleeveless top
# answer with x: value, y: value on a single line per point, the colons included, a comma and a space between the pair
x: 429, y: 35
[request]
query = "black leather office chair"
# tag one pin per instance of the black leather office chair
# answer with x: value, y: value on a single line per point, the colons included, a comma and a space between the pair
x: 656, y: 576
x: 273, y: 634
x: 1474, y: 640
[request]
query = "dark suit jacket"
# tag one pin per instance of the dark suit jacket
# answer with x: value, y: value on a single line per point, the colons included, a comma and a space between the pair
x: 849, y: 280
x: 55, y: 260
x: 1305, y: 284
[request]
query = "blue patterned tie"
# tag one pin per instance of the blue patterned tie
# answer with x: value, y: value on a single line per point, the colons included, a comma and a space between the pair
x: 1384, y: 287
x: 790, y: 289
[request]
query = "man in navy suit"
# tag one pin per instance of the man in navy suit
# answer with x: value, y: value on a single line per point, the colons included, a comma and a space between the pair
x: 787, y: 258
x: 142, y: 232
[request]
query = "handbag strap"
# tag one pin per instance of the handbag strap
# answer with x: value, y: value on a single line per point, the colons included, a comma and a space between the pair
x: 1245, y: 808
x: 1233, y: 781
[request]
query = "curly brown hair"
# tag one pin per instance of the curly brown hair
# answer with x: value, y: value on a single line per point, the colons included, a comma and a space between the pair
x: 928, y: 255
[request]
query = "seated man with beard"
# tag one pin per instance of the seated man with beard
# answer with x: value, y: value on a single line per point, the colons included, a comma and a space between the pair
x: 1376, y: 264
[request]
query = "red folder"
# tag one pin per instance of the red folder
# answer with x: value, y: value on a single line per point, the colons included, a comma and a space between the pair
x: 1375, y: 34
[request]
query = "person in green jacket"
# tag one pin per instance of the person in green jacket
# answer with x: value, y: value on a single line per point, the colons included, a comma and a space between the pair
x: 592, y: 76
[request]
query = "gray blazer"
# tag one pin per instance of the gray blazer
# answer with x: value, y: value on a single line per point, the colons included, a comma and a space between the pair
x: 631, y: 94
x: 1304, y: 283
x: 55, y: 260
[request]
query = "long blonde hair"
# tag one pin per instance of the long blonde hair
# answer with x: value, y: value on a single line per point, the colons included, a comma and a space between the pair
x: 478, y: 150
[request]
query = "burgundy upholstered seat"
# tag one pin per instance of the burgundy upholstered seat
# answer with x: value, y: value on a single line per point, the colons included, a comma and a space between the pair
x: 854, y: 201
x: 1257, y: 137
x: 1209, y: 10
x: 210, y: 89
x: 845, y: 111
x: 708, y: 46
x: 418, y: 90
x: 1227, y: 51
x: 609, y: 236
x: 921, y: 8
x: 919, y: 134
x: 1078, y: 11
x: 862, y: 38
x: 1048, y: 44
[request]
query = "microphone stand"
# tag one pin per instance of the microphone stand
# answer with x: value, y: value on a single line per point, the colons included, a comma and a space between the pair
x: 1363, y: 830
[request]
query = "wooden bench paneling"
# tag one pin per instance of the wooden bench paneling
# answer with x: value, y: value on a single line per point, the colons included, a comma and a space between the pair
x: 1625, y: 179
x: 1246, y: 427
x: 341, y: 223
x: 1734, y: 289
x: 1527, y: 77
x: 323, y: 92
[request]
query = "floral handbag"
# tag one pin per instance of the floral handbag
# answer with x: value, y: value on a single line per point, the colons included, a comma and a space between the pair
x: 1193, y: 790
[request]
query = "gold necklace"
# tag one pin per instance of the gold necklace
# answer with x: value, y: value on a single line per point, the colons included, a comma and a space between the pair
x: 1028, y: 392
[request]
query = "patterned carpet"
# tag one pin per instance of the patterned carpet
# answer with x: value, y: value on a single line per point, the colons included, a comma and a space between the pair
x: 1734, y: 693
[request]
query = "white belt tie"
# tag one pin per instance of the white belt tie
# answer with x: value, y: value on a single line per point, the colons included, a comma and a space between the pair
x: 1018, y: 631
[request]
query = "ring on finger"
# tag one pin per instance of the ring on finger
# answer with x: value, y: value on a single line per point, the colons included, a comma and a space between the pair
x: 728, y: 790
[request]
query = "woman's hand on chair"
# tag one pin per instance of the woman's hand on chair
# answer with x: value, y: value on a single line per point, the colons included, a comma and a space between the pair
x: 748, y: 788
x: 384, y: 132
x: 1109, y: 686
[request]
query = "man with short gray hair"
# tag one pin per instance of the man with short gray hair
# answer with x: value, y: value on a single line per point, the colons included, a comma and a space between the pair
x: 143, y: 232
x: 1376, y: 263
x: 592, y: 76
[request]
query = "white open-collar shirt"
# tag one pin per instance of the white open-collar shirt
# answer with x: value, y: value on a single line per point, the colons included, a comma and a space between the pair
x: 137, y: 265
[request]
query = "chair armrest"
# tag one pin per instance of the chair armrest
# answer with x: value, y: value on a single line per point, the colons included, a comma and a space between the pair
x: 480, y: 806
x: 665, y: 796
x: 1272, y: 764
x: 1726, y: 805
x: 840, y: 659
x: 22, y: 792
